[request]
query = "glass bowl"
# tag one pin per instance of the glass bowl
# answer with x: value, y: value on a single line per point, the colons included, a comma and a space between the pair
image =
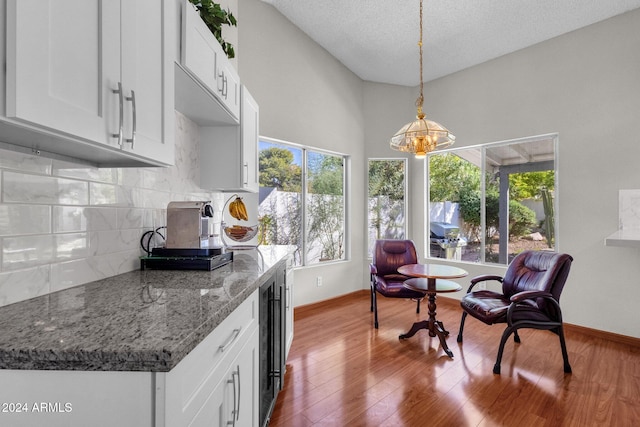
x: 240, y: 233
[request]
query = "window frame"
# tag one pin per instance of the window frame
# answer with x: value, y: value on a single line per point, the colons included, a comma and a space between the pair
x: 553, y: 137
x: 405, y: 190
x: 305, y: 149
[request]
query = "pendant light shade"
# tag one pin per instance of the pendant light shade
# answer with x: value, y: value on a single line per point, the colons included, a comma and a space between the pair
x: 421, y: 136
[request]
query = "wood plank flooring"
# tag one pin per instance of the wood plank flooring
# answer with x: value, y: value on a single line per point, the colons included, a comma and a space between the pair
x: 343, y: 372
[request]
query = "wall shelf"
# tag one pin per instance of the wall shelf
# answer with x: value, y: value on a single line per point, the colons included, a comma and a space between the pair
x: 629, y: 238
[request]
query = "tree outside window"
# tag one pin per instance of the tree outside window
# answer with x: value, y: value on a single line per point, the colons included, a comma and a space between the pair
x: 501, y: 196
x: 302, y: 201
x: 386, y: 200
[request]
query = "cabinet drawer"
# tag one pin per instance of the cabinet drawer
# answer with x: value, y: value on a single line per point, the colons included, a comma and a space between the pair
x: 193, y: 379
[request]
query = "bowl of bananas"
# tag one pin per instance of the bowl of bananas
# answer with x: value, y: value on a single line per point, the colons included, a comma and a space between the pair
x: 238, y: 211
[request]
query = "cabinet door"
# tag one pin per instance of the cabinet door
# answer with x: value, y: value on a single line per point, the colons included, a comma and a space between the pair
x: 228, y: 85
x: 288, y: 328
x: 147, y: 76
x: 247, y: 364
x: 249, y: 129
x: 234, y: 401
x: 63, y: 60
x: 229, y: 154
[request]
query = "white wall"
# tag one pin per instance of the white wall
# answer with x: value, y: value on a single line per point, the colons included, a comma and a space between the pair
x: 585, y: 86
x: 307, y: 97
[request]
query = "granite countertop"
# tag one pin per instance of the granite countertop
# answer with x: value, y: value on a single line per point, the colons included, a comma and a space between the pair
x: 138, y: 321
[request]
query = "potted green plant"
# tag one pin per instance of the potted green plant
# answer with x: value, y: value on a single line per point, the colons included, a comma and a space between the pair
x: 215, y: 17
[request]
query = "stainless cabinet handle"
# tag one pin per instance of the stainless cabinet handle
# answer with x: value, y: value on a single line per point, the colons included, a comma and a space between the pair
x: 246, y: 173
x: 232, y: 422
x: 221, y: 76
x: 121, y: 116
x: 236, y: 407
x: 231, y: 339
x: 132, y: 98
x: 288, y: 298
x: 225, y: 88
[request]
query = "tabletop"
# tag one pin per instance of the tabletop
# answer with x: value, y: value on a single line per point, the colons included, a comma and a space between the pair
x: 432, y: 271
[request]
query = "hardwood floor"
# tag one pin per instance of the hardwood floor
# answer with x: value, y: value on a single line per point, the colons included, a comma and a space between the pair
x: 343, y: 372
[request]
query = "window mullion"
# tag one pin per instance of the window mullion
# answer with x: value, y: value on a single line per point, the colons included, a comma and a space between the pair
x: 303, y: 197
x: 483, y: 205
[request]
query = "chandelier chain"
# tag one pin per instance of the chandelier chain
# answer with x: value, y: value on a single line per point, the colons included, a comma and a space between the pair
x: 420, y: 100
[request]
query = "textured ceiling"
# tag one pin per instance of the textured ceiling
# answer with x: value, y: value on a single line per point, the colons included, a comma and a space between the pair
x: 377, y: 39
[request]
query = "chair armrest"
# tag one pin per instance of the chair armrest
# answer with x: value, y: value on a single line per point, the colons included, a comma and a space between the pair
x: 521, y: 296
x: 483, y: 278
x: 373, y: 269
x: 525, y: 295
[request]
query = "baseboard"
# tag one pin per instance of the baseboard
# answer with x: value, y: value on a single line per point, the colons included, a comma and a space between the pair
x: 609, y: 336
x: 308, y: 309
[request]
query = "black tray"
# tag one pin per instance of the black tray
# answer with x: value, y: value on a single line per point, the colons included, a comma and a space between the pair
x: 187, y: 252
x: 185, y: 263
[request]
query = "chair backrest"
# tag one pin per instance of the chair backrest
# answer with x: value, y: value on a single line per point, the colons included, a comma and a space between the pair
x: 537, y: 271
x: 390, y: 254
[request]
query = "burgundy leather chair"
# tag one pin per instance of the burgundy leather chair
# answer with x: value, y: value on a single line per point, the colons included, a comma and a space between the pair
x: 388, y: 255
x: 530, y: 298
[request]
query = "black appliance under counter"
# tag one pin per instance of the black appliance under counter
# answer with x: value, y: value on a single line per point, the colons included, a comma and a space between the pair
x: 138, y: 321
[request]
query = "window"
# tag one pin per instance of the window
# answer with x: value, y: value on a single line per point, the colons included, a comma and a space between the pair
x: 386, y: 200
x: 302, y: 200
x: 490, y: 202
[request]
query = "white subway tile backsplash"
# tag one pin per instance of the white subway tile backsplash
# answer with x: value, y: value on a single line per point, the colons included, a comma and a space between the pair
x: 24, y: 162
x: 130, y: 218
x: 65, y: 275
x: 25, y: 188
x: 105, y: 242
x: 24, y: 219
x: 24, y: 284
x: 27, y: 251
x: 75, y: 218
x: 87, y: 173
x: 71, y: 246
x: 64, y: 224
x: 103, y: 194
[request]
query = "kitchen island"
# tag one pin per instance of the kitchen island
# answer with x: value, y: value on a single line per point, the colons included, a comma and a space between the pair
x: 104, y: 353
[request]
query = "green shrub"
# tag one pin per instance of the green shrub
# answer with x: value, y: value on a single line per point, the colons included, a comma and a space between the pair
x: 521, y: 219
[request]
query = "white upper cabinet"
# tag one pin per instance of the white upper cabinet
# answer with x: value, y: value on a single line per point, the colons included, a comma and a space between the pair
x: 97, y: 73
x: 207, y: 84
x: 229, y: 154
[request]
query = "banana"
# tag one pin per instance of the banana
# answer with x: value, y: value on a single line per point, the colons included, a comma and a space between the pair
x: 238, y: 210
x: 233, y: 209
x: 242, y: 210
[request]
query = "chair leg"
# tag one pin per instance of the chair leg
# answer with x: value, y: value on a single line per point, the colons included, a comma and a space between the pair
x: 464, y: 316
x: 418, y: 306
x: 516, y: 337
x: 375, y: 308
x: 372, y: 297
x: 503, y: 340
x: 565, y: 355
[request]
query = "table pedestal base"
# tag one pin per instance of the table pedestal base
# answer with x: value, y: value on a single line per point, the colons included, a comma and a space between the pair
x: 435, y: 327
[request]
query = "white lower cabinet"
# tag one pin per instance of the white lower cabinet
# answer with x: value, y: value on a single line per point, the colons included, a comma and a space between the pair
x: 288, y: 328
x: 216, y: 383
x: 231, y: 402
x: 75, y: 398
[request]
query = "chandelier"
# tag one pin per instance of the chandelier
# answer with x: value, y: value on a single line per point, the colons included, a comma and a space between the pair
x: 421, y: 136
